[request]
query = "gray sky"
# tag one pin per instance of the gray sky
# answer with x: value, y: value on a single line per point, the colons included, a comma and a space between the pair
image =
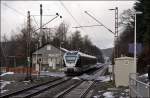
x: 13, y: 16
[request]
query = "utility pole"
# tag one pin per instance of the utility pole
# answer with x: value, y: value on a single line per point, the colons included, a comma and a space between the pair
x: 99, y: 22
x: 116, y: 31
x: 41, y: 13
x: 28, y: 76
x: 116, y: 48
x: 135, y: 51
x: 1, y: 50
x: 41, y: 30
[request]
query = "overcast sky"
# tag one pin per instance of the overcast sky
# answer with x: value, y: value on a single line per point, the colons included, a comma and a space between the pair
x: 13, y: 16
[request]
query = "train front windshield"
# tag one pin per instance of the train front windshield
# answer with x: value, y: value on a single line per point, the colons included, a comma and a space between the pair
x: 70, y: 59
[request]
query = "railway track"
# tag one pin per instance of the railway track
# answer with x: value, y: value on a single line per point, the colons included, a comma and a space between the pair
x: 40, y: 89
x: 95, y: 72
x: 100, y: 71
x: 82, y: 89
x: 78, y: 90
x: 19, y: 90
x: 66, y: 87
x: 31, y: 91
x: 59, y: 90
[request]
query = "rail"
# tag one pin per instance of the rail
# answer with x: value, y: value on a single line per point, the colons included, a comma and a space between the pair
x: 138, y: 89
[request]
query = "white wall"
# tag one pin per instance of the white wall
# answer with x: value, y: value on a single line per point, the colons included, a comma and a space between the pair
x: 123, y: 66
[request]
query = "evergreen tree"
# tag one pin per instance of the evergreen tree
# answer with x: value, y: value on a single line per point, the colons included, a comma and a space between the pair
x: 147, y: 33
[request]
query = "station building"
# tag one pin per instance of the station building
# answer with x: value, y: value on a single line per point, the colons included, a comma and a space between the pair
x: 48, y: 57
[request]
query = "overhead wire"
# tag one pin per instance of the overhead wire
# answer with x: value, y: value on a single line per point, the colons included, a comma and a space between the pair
x: 6, y: 5
x: 35, y: 21
x: 99, y: 22
x: 70, y: 14
x: 91, y: 26
x: 87, y: 20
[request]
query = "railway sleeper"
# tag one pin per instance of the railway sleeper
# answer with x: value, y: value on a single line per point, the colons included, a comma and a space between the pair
x: 80, y: 91
x: 61, y: 94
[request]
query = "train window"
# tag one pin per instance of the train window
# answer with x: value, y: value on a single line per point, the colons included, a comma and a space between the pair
x: 72, y: 53
x: 70, y: 59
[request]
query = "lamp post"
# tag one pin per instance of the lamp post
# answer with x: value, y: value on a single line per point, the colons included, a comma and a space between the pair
x: 135, y: 37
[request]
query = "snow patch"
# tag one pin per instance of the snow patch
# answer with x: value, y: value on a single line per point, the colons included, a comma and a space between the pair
x: 55, y: 74
x: 108, y: 95
x: 104, y: 78
x: 7, y: 73
x: 124, y: 97
x: 98, y: 96
x: 77, y: 78
x: 144, y: 75
x: 3, y: 84
x: 126, y: 90
x: 87, y: 77
x: 3, y: 91
x: 94, y: 77
x: 27, y: 81
x: 144, y: 78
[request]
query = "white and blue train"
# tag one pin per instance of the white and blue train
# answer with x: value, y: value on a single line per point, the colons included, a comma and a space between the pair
x: 76, y: 62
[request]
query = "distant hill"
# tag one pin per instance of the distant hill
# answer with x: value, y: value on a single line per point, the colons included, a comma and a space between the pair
x: 107, y: 52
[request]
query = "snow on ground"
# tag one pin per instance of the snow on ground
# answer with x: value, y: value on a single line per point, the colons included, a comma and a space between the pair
x: 55, y: 74
x: 2, y: 91
x: 144, y: 75
x: 126, y: 90
x: 77, y: 78
x: 123, y: 97
x: 104, y: 78
x: 7, y: 73
x: 3, y: 84
x: 97, y: 96
x: 108, y: 95
x: 144, y: 78
x: 87, y: 77
x: 94, y: 77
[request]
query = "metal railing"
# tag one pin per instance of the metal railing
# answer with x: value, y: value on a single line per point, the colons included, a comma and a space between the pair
x: 138, y: 88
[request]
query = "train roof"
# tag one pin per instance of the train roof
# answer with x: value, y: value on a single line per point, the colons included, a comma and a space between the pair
x: 82, y: 54
x: 86, y: 55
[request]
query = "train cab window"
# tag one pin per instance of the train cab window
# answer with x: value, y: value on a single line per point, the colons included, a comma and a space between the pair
x: 70, y: 59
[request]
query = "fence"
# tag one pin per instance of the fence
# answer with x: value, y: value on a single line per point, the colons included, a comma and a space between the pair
x: 17, y: 69
x: 138, y: 87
